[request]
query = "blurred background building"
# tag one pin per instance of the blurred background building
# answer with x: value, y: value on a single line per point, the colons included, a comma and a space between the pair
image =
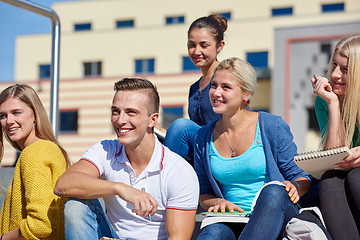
x: 103, y: 41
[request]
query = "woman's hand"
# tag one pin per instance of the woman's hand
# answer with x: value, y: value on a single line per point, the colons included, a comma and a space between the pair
x: 222, y: 205
x: 292, y: 191
x: 352, y: 161
x: 13, y: 235
x: 322, y: 88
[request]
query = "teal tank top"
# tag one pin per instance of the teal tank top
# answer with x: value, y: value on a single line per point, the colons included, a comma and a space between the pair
x: 241, y: 177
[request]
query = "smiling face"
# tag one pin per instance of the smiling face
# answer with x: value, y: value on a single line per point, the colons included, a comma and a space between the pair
x: 18, y: 122
x: 202, y: 47
x: 339, y: 73
x: 225, y: 93
x: 131, y: 118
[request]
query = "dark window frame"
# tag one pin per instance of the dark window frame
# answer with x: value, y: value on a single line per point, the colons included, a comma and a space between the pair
x: 78, y: 27
x: 227, y: 15
x: 129, y: 23
x: 92, y: 69
x: 188, y: 65
x: 278, y: 12
x: 145, y: 66
x: 175, y: 20
x: 69, y: 121
x: 44, y: 71
x: 333, y: 7
x: 259, y: 59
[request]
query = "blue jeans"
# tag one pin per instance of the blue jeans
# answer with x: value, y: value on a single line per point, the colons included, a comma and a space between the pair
x: 311, y: 198
x: 180, y: 137
x: 86, y: 219
x: 273, y: 210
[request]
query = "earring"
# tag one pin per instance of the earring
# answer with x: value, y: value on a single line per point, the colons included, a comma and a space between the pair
x: 244, y: 100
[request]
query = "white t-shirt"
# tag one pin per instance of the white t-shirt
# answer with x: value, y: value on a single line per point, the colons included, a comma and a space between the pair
x: 169, y: 179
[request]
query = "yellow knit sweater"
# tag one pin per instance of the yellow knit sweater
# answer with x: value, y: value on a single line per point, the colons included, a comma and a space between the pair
x: 30, y: 201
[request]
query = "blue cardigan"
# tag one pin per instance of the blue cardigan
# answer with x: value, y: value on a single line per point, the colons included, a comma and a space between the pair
x: 278, y: 146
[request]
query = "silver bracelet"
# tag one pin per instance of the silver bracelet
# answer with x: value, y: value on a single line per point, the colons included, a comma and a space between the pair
x: 297, y: 185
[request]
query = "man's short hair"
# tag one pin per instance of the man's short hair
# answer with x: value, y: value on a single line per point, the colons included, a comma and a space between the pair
x: 134, y: 84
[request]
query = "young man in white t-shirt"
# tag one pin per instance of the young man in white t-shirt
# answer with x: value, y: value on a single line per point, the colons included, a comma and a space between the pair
x: 149, y: 191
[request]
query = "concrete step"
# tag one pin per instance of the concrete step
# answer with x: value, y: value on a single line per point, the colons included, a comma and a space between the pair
x: 6, y: 175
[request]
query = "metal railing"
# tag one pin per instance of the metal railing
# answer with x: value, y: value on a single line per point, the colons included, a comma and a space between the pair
x: 55, y: 55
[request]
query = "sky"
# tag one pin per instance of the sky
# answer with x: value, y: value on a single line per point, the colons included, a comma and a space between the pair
x: 15, y: 21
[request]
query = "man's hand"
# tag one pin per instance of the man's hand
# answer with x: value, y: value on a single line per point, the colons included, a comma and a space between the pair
x: 144, y: 203
x: 82, y: 181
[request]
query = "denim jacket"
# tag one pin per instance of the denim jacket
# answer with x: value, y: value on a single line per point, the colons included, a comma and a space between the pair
x: 278, y: 146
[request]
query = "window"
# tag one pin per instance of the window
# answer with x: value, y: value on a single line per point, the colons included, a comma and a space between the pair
x: 226, y: 15
x: 144, y: 65
x: 259, y: 60
x: 125, y: 24
x: 68, y: 121
x: 188, y: 65
x: 335, y: 7
x: 281, y: 11
x: 175, y: 20
x: 44, y: 71
x: 170, y: 114
x: 92, y: 69
x: 82, y: 27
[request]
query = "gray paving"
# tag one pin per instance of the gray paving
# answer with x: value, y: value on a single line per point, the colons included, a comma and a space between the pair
x: 6, y: 175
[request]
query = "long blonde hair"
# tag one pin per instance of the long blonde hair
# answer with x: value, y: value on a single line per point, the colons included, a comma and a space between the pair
x: 349, y: 47
x: 43, y: 128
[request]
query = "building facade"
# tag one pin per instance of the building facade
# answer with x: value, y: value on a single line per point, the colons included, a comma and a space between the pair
x: 103, y: 41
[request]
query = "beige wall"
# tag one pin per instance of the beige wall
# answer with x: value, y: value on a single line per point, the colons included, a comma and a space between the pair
x: 251, y: 29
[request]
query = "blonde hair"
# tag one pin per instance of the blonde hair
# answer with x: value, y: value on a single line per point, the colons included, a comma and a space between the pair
x: 43, y: 128
x: 242, y: 71
x: 349, y: 47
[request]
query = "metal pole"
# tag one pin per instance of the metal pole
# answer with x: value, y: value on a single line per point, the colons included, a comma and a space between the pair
x: 55, y: 56
x: 55, y: 62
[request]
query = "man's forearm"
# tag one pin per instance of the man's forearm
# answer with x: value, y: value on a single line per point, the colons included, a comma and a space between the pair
x: 80, y: 185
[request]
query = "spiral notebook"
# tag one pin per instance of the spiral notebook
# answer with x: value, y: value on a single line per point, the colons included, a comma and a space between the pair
x: 317, y: 162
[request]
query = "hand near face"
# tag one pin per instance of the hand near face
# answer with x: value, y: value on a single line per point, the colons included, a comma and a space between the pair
x: 144, y: 203
x: 222, y: 205
x: 322, y: 88
x: 352, y: 161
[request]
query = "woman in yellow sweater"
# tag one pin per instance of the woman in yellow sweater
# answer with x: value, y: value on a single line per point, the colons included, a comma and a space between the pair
x: 31, y: 210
